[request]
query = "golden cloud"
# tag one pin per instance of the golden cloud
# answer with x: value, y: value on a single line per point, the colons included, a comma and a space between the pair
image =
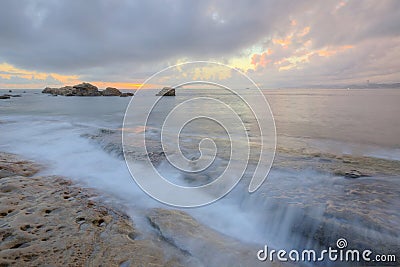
x: 8, y: 71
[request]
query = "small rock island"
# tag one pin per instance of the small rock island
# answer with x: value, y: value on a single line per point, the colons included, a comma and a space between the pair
x: 84, y: 89
x: 8, y: 96
x: 166, y: 91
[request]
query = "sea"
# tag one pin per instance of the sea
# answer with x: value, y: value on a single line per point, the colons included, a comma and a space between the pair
x: 299, y: 205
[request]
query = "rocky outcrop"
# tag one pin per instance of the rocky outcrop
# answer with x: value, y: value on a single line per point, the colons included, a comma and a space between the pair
x: 8, y: 96
x: 47, y: 221
x: 11, y: 164
x: 126, y: 94
x: 111, y: 91
x: 346, y: 166
x: 166, y: 91
x: 86, y: 89
x: 83, y: 89
x: 211, y: 247
x: 354, y: 174
x: 48, y: 90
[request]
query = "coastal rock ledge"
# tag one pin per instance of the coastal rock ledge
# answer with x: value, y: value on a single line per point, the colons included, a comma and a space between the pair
x: 84, y: 89
x: 48, y: 221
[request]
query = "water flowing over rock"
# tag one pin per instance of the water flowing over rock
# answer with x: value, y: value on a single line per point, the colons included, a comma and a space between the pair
x: 48, y: 221
x: 209, y: 246
x: 166, y: 91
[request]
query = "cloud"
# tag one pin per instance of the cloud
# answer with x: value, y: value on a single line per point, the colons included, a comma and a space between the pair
x: 10, y: 72
x: 127, y: 41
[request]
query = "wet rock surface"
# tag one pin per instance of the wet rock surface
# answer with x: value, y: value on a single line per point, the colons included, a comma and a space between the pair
x: 47, y: 221
x: 348, y: 166
x: 12, y: 165
x: 191, y: 237
x: 111, y: 141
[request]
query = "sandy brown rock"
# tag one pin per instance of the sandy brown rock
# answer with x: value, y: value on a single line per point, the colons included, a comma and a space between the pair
x: 11, y: 164
x: 111, y: 91
x: 47, y: 221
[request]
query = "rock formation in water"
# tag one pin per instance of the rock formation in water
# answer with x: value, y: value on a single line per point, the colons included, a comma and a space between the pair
x: 166, y: 91
x: 111, y: 91
x: 8, y: 96
x: 84, y: 89
x: 126, y: 94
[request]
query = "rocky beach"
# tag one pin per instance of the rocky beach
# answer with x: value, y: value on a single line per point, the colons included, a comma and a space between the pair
x: 50, y: 221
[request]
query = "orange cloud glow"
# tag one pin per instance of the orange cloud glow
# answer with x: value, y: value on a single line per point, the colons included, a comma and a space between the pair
x: 304, y: 32
x: 340, y: 5
x: 332, y: 51
x: 123, y: 85
x: 299, y: 57
x: 37, y: 79
x: 283, y: 42
x: 261, y: 59
x: 8, y: 71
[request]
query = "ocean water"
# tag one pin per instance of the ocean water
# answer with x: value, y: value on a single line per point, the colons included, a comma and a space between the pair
x: 79, y: 138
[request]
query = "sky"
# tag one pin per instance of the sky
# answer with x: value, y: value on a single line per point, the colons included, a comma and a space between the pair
x: 277, y: 43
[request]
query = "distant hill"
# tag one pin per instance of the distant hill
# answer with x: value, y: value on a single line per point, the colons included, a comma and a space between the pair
x: 356, y: 86
x: 375, y: 85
